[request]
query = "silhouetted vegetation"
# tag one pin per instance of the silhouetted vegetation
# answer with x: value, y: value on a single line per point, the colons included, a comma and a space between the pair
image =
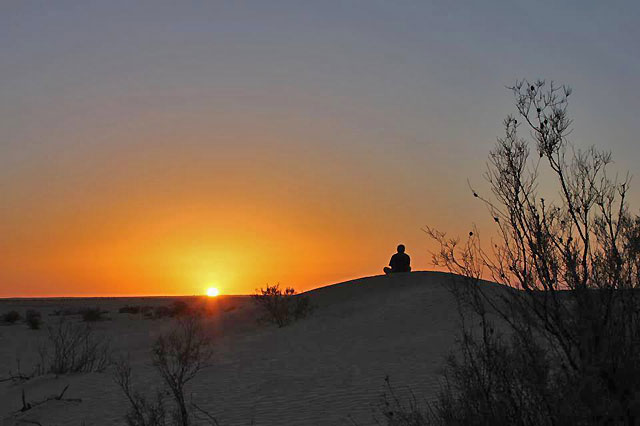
x: 560, y: 343
x: 178, y: 357
x: 179, y: 307
x: 142, y: 411
x: 162, y: 312
x: 11, y: 317
x: 135, y: 309
x: 92, y: 314
x: 28, y: 405
x: 400, y: 410
x: 33, y: 319
x: 129, y: 309
x: 175, y: 309
x: 87, y: 314
x: 282, y: 307
x: 73, y: 348
x: 66, y: 312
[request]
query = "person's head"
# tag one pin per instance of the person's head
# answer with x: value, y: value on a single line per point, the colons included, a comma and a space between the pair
x: 401, y: 248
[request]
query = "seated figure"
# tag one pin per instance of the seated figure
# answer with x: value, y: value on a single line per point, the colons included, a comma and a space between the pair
x: 400, y: 262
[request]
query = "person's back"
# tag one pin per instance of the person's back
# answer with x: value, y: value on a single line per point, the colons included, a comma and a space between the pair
x: 400, y: 262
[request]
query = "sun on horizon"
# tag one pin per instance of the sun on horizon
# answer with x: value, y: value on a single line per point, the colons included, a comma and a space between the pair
x: 213, y: 291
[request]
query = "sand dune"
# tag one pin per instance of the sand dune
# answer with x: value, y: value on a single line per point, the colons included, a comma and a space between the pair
x: 323, y: 370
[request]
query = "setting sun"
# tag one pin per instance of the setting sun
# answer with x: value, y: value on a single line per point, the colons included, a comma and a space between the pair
x: 212, y: 292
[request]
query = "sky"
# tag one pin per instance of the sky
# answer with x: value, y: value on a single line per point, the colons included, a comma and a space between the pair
x: 160, y: 148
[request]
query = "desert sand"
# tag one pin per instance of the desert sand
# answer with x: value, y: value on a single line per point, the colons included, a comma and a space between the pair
x: 326, y: 369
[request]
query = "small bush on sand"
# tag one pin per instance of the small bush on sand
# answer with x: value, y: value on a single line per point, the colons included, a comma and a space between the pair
x: 65, y: 312
x: 177, y: 308
x: 178, y: 357
x: 282, y: 307
x: 92, y: 314
x: 73, y: 348
x: 33, y: 319
x: 162, y: 312
x: 129, y: 310
x: 402, y: 410
x: 180, y: 308
x: 137, y: 309
x: 142, y: 411
x: 11, y: 317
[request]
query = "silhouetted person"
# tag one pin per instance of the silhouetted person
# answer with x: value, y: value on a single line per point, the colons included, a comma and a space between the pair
x: 400, y: 262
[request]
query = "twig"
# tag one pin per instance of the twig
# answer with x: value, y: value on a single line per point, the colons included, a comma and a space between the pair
x: 25, y: 405
x: 13, y: 378
x: 206, y: 413
x: 59, y: 397
x: 31, y: 422
x: 29, y: 405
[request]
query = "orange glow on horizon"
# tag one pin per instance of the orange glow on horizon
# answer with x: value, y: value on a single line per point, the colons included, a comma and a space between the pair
x: 163, y: 220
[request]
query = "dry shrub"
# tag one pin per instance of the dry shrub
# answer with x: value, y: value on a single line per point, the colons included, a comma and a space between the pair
x: 398, y: 410
x: 142, y: 411
x: 177, y: 308
x: 11, y: 317
x: 134, y: 310
x: 73, y: 348
x: 129, y: 309
x: 162, y: 312
x: 33, y: 319
x: 280, y: 307
x: 92, y: 314
x: 568, y: 349
x: 66, y: 312
x: 178, y: 357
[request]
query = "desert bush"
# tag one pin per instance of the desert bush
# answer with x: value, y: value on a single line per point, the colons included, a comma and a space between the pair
x: 142, y: 411
x: 568, y: 349
x: 73, y: 348
x: 301, y: 307
x: 129, y: 310
x: 397, y: 410
x: 11, y: 317
x: 179, y: 307
x: 162, y: 312
x: 178, y: 357
x: 92, y: 314
x: 33, y: 319
x: 282, y: 307
x: 66, y: 312
x: 137, y: 309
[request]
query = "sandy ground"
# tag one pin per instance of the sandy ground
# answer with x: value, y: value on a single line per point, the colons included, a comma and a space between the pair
x: 326, y: 369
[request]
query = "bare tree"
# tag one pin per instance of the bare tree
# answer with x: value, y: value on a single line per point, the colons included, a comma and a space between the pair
x: 561, y: 343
